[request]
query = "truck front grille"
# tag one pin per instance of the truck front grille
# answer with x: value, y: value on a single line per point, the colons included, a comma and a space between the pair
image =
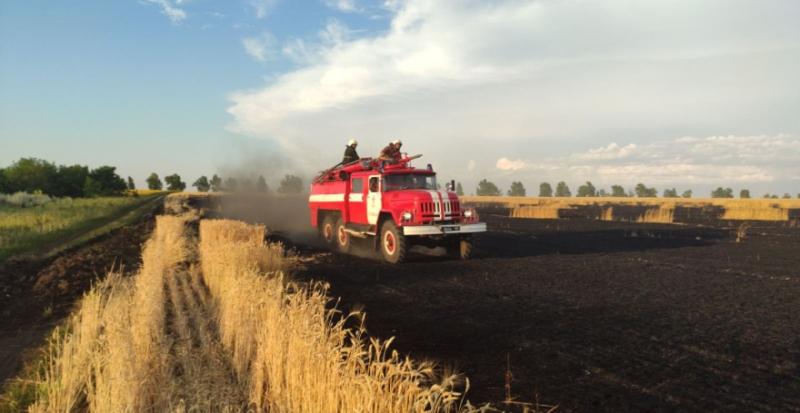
x: 433, y: 210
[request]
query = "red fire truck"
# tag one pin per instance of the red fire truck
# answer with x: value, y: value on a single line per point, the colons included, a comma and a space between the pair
x: 394, y: 204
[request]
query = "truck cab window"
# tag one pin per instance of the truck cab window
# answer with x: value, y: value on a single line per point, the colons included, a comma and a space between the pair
x: 373, y: 184
x: 358, y: 185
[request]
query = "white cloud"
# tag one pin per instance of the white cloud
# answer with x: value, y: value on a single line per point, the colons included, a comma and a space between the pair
x: 505, y: 164
x: 713, y: 160
x: 171, y: 9
x: 682, y: 173
x: 335, y: 33
x: 261, y: 48
x: 612, y: 151
x: 262, y: 7
x: 342, y: 5
x: 471, y: 165
x: 533, y: 80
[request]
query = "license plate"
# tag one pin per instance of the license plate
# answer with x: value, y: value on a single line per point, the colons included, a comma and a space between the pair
x: 450, y: 229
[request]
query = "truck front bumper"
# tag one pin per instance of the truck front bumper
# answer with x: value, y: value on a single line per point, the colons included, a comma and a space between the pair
x: 444, y: 229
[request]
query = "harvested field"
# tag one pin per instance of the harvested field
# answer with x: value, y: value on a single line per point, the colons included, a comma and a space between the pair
x: 587, y: 315
x: 591, y: 315
x: 646, y: 210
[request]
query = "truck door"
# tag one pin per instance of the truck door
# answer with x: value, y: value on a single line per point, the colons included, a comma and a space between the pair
x: 357, y: 201
x: 374, y: 199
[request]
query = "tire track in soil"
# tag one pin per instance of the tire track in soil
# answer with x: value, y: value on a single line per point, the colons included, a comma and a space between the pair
x: 203, y: 378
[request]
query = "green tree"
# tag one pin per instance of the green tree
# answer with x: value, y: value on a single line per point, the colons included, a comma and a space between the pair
x: 643, y: 191
x: 31, y: 175
x: 92, y: 188
x: 602, y: 193
x: 459, y: 189
x: 687, y: 194
x: 486, y: 188
x: 721, y: 192
x: 517, y: 189
x: 174, y: 183
x: 246, y: 185
x: 202, y: 184
x: 670, y: 193
x: 131, y: 184
x: 71, y: 180
x: 261, y: 185
x: 216, y: 183
x: 744, y: 193
x: 545, y: 190
x: 618, y: 191
x: 562, y: 190
x: 291, y: 184
x: 154, y: 182
x: 110, y: 183
x: 586, y: 190
x: 231, y: 185
x: 3, y: 182
x: 786, y: 195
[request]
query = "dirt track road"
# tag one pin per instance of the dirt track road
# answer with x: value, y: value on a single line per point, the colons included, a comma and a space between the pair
x: 596, y: 316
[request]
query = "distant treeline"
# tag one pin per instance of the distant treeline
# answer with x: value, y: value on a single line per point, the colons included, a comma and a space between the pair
x: 487, y: 188
x: 290, y: 184
x: 36, y: 175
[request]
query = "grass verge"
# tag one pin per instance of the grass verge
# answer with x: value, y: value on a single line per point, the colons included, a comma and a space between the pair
x: 63, y: 223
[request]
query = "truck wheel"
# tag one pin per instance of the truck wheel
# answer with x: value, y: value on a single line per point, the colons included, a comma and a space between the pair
x: 342, y: 237
x: 392, y: 243
x: 460, y: 248
x: 328, y: 230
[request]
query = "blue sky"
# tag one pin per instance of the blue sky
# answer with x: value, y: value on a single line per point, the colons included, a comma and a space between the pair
x: 119, y: 82
x: 691, y: 94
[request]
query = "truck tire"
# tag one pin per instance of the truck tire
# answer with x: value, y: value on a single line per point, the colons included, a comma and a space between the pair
x: 460, y: 248
x: 392, y: 243
x: 327, y: 231
x: 343, y: 238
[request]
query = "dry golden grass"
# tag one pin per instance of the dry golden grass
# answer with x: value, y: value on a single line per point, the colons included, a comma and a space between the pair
x: 112, y: 355
x: 653, y: 209
x: 295, y: 355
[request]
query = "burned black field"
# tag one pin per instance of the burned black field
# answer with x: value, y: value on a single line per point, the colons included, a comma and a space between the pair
x: 595, y: 316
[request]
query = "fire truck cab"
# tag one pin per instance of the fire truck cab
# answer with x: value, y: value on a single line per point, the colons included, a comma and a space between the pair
x: 396, y: 205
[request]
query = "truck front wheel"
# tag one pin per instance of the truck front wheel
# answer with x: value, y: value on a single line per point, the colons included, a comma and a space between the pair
x: 392, y: 243
x: 460, y: 248
x: 342, y: 237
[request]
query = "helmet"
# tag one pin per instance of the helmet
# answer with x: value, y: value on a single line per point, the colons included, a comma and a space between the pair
x: 352, y: 142
x: 397, y: 142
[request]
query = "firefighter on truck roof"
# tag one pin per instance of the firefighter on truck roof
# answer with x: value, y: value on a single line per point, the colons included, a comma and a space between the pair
x: 350, y: 154
x: 391, y: 153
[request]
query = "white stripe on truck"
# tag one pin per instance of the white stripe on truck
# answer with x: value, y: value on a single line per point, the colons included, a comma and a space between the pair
x: 326, y: 198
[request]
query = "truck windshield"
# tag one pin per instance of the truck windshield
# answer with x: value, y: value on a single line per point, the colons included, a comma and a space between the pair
x: 409, y: 181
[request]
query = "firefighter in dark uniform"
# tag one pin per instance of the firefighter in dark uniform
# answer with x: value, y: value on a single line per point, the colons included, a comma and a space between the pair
x: 350, y: 154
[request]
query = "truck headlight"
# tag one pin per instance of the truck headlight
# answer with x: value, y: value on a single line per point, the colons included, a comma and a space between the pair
x: 468, y: 213
x: 407, y: 216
